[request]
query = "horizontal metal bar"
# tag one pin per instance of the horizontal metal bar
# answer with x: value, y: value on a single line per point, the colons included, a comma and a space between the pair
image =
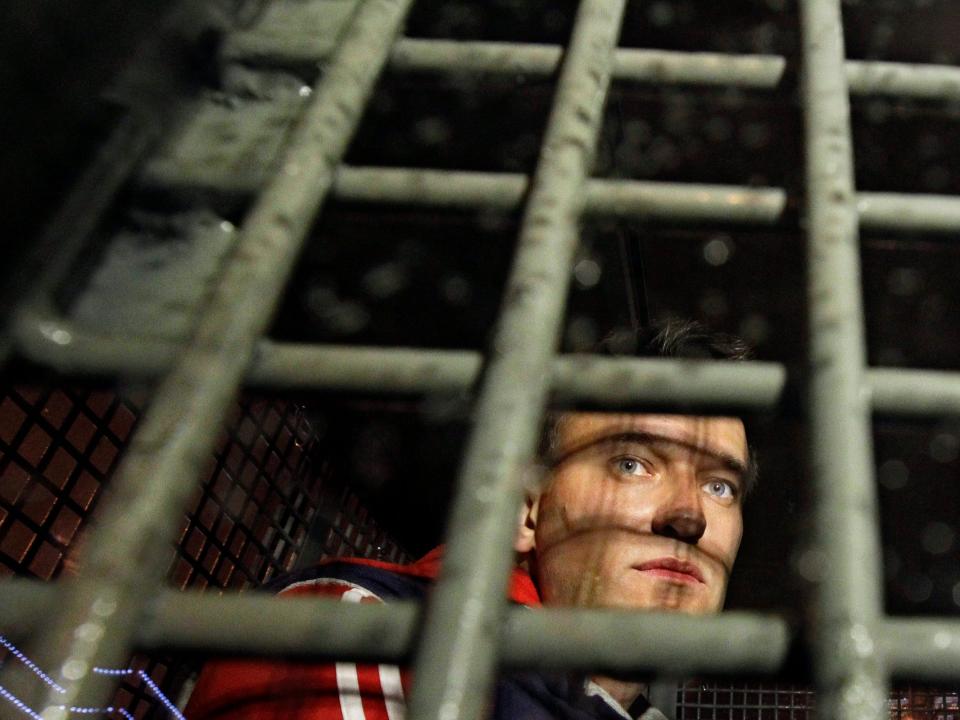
x: 611, y: 382
x: 577, y: 379
x: 913, y: 80
x: 614, y: 198
x: 901, y: 211
x: 677, y: 202
x: 925, y: 649
x: 670, y: 643
x: 916, y: 648
x: 905, y: 391
x: 684, y: 202
x: 637, y: 65
x: 761, y: 72
x: 257, y: 623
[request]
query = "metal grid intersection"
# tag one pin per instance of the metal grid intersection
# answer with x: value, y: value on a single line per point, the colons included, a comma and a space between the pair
x: 855, y: 648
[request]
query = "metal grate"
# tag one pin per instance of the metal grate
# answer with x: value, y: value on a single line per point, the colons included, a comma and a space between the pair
x: 855, y: 648
x: 262, y: 504
x: 740, y: 701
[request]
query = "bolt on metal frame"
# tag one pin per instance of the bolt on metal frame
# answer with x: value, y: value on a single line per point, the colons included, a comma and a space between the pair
x: 468, y: 628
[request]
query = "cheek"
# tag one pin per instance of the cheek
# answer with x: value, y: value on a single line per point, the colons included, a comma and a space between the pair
x: 577, y: 505
x: 725, y: 531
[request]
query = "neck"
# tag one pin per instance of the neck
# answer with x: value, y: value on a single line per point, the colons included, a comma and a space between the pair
x: 623, y: 691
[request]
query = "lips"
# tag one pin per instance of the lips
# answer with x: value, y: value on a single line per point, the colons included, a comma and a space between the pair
x: 672, y: 569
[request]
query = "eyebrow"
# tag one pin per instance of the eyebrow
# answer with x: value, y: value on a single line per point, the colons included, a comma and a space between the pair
x: 730, y: 462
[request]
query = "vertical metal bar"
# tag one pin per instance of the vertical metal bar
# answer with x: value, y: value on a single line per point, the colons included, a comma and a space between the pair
x: 849, y: 672
x: 128, y: 551
x: 456, y: 658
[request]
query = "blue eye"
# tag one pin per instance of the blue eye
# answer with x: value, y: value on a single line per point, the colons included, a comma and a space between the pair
x: 720, y: 489
x: 630, y: 466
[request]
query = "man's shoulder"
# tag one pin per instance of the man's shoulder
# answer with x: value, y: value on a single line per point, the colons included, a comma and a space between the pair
x: 350, y: 579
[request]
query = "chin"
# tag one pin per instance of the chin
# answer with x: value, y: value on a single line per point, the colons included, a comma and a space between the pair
x: 670, y: 597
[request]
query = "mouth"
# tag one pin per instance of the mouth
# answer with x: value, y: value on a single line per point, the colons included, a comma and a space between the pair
x: 672, y: 569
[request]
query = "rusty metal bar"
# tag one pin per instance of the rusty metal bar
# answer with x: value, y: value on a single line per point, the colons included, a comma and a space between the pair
x: 848, y: 669
x: 125, y: 562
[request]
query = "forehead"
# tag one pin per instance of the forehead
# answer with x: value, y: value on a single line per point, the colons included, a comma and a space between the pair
x: 712, y: 435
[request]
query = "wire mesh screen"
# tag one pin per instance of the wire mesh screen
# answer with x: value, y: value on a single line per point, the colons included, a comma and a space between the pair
x: 771, y: 701
x: 266, y: 498
x: 744, y: 701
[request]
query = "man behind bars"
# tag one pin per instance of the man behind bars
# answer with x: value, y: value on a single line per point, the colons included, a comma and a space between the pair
x: 635, y: 511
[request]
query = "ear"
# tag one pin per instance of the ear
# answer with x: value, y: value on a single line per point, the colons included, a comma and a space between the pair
x: 527, y: 526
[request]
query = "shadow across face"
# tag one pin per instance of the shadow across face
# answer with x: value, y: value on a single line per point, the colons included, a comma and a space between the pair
x: 639, y: 511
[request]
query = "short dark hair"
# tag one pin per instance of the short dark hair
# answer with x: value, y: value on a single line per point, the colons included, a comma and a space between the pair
x: 671, y: 338
x: 675, y: 339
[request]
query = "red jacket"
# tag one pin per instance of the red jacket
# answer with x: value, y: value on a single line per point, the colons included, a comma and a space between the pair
x: 286, y: 690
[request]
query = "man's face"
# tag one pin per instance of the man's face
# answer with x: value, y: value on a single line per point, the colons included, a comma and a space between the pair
x: 640, y: 511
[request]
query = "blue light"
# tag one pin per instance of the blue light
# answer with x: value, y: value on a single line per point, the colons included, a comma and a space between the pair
x: 30, y: 666
x: 18, y: 703
x: 22, y: 707
x: 148, y: 681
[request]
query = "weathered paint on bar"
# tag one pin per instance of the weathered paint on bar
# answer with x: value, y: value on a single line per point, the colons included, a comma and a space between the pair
x: 762, y: 72
x: 456, y: 659
x: 848, y: 669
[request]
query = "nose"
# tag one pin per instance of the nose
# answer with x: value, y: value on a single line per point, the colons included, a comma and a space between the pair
x: 680, y: 517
